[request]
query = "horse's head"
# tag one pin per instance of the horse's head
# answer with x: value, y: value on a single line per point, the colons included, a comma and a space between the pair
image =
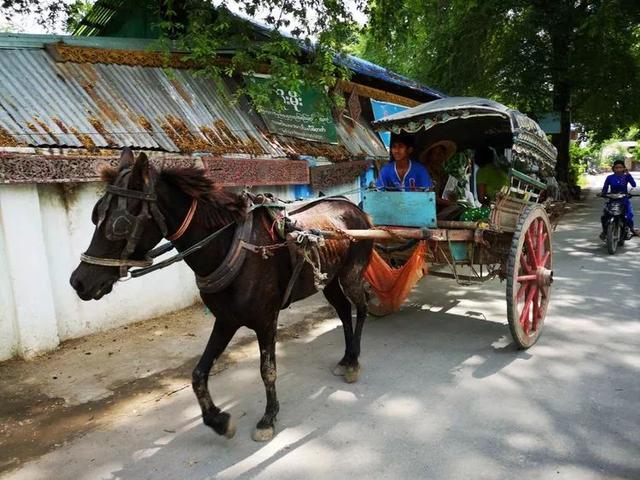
x: 127, y: 223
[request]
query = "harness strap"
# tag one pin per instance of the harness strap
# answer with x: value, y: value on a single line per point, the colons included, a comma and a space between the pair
x: 125, y: 192
x: 299, y: 263
x: 114, y: 262
x: 185, y: 223
x: 230, y: 267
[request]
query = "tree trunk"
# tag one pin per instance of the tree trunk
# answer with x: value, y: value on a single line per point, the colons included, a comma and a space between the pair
x: 561, y: 104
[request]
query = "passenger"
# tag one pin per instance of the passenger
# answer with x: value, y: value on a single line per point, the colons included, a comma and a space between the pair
x: 435, y: 158
x: 489, y: 178
x: 403, y: 173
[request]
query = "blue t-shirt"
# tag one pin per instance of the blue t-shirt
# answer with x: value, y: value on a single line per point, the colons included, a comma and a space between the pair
x: 416, y: 178
x: 618, y: 183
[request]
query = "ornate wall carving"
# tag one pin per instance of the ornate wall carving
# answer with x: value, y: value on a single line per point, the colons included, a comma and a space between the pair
x: 336, y: 174
x: 241, y: 172
x: 21, y: 168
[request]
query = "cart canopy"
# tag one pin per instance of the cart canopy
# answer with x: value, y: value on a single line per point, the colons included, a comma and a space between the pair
x: 473, y: 122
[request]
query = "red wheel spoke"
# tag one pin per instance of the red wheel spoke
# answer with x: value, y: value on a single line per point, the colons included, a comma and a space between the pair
x: 531, y: 251
x: 527, y: 278
x: 521, y: 291
x: 536, y: 311
x: 541, y: 240
x: 545, y: 259
x: 524, y: 316
x: 525, y: 266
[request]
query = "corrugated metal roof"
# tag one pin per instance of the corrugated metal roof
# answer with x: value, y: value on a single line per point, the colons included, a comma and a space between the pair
x: 44, y: 103
x: 80, y: 105
x: 360, y: 137
x: 371, y: 70
x: 355, y: 140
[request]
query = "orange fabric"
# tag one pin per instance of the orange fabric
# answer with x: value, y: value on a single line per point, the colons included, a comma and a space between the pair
x: 393, y: 285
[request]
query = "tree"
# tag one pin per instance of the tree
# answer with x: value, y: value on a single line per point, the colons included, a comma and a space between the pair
x: 580, y: 58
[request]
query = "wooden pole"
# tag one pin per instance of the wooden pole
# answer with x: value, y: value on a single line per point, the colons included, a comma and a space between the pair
x: 389, y: 235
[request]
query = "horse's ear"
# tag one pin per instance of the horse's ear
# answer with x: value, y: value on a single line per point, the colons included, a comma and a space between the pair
x: 141, y: 169
x: 126, y: 158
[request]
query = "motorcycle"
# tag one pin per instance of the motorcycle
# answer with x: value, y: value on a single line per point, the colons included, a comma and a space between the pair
x: 616, y: 230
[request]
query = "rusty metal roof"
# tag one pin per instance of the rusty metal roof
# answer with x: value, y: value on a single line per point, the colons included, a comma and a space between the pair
x: 44, y: 103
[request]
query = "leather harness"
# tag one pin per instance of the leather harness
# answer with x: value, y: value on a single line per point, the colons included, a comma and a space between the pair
x: 125, y: 226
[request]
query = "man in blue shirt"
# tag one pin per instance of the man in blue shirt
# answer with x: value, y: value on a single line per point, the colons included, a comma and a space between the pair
x: 402, y: 173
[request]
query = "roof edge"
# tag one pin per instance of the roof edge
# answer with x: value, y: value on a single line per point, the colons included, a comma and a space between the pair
x: 37, y: 41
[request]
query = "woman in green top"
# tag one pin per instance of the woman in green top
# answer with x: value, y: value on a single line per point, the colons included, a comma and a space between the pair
x: 489, y: 178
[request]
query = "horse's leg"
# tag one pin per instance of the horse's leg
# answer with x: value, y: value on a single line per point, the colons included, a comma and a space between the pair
x: 267, y: 341
x: 211, y: 415
x: 348, y: 366
x: 359, y: 298
x: 352, y: 286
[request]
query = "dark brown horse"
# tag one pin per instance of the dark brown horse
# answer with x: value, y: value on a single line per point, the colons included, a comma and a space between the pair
x: 142, y: 205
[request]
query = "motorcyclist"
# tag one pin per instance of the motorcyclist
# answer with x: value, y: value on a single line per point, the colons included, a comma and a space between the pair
x: 617, y: 183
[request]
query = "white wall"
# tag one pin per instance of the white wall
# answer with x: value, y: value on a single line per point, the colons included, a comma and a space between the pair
x: 43, y: 230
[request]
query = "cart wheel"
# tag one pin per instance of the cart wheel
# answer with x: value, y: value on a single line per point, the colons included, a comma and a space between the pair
x: 529, y: 275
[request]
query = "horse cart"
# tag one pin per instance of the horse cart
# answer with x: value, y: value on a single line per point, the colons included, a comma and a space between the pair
x: 514, y: 243
x: 232, y: 242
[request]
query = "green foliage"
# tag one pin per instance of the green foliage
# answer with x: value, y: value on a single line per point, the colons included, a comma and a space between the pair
x: 537, y: 56
x: 224, y: 45
x: 630, y: 134
x: 581, y: 158
x: 76, y: 12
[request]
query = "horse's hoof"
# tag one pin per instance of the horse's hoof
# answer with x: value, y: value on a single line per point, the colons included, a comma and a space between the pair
x: 262, y: 434
x: 231, y: 429
x: 339, y: 370
x: 352, y: 374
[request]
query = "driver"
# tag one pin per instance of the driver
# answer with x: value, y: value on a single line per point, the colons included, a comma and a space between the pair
x: 403, y: 173
x: 617, y: 183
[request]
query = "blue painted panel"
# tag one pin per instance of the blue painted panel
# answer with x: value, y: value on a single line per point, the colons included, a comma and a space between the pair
x: 402, y: 209
x: 302, y: 192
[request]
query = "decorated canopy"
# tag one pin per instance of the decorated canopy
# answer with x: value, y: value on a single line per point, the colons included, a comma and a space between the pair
x: 473, y: 122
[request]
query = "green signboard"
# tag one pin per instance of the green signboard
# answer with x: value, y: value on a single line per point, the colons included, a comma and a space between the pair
x: 299, y: 118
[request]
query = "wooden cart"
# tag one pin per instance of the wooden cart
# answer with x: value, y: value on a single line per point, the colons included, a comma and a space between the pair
x: 514, y: 244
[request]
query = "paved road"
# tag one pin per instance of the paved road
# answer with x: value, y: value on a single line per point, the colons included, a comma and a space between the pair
x: 443, y: 393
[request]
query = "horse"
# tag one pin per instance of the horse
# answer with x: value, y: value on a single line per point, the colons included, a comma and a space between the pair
x: 142, y: 204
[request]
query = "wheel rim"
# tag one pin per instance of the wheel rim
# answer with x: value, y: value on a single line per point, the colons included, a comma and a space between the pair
x: 531, y: 279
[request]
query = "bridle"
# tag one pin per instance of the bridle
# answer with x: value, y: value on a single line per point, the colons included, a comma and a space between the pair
x: 126, y: 226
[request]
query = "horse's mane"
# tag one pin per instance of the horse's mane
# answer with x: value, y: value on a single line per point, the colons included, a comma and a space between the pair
x: 216, y: 207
